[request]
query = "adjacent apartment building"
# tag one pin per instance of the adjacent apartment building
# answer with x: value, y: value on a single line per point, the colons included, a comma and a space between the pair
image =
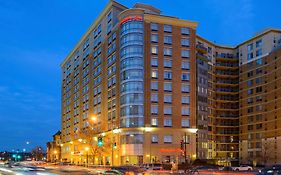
x: 142, y: 87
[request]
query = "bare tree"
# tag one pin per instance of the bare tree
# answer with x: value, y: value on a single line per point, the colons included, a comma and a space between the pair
x: 37, y: 153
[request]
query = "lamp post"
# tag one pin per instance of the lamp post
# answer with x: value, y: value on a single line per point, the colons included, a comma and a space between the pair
x: 87, y: 158
x: 55, y: 155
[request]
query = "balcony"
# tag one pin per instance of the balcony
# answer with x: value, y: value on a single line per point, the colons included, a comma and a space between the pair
x: 226, y: 74
x: 201, y: 48
x: 227, y: 65
x: 226, y: 90
x: 227, y: 83
x: 201, y: 57
x: 226, y: 57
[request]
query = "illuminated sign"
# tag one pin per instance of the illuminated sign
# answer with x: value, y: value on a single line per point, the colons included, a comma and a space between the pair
x: 166, y: 150
x: 131, y: 18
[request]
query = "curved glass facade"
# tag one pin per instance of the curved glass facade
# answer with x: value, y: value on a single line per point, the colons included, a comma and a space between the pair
x: 132, y: 68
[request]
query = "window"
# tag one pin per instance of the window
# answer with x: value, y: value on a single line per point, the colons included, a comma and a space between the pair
x: 185, y: 53
x: 185, y: 65
x: 259, y: 61
x: 167, y: 122
x: 258, y: 71
x: 185, y: 31
x: 250, y: 110
x: 258, y: 43
x: 185, y: 111
x: 154, y: 74
x: 259, y: 126
x: 259, y: 80
x: 185, y: 42
x: 250, y: 47
x: 154, y: 85
x: 167, y: 39
x: 167, y: 138
x: 154, y: 109
x: 154, y: 62
x: 185, y: 99
x: 185, y: 76
x: 167, y: 28
x: 109, y: 27
x: 250, y: 74
x: 154, y: 138
x: 259, y: 98
x: 258, y: 89
x: 154, y: 50
x: 185, y: 123
x: 259, y: 117
x: 167, y: 110
x: 167, y: 98
x: 109, y: 16
x: 167, y: 86
x: 250, y: 91
x: 154, y: 97
x: 258, y: 107
x: 259, y: 52
x: 250, y: 56
x: 250, y: 100
x: 154, y: 38
x: 185, y: 88
x: 250, y: 83
x: 154, y: 26
x: 154, y: 122
x: 168, y: 51
x: 167, y: 75
x: 167, y: 63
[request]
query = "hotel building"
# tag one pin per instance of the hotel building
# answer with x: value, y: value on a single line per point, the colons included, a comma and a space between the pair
x: 139, y: 86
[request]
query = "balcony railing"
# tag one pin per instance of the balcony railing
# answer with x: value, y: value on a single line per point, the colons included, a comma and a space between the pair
x: 201, y: 56
x: 201, y: 48
x: 227, y: 64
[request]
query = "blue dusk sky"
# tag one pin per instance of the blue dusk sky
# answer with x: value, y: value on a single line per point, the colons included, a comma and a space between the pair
x: 36, y: 35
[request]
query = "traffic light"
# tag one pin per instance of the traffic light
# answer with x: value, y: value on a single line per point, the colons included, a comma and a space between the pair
x: 100, y: 142
x: 14, y: 155
x: 182, y: 145
x: 114, y: 145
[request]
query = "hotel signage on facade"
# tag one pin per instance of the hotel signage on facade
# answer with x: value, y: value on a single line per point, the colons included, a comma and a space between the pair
x: 131, y: 18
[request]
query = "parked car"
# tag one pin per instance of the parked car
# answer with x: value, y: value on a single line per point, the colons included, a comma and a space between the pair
x: 243, y: 168
x: 152, y: 166
x: 115, y: 172
x: 226, y: 168
x: 266, y: 171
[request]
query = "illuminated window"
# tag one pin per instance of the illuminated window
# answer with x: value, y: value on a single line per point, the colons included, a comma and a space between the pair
x: 154, y: 50
x: 154, y: 74
x: 154, y: 122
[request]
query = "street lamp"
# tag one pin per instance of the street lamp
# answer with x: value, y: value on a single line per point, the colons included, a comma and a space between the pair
x: 55, y: 153
x: 87, y: 149
x: 149, y: 130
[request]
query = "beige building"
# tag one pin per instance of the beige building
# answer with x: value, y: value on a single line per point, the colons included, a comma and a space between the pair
x: 139, y: 83
x: 54, y: 148
x: 129, y: 89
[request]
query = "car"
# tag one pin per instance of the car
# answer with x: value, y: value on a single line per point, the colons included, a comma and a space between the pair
x: 114, y: 172
x: 153, y: 166
x: 243, y: 168
x: 266, y: 171
x: 226, y: 168
x: 276, y: 167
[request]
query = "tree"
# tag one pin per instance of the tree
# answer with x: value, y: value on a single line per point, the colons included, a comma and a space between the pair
x: 37, y: 153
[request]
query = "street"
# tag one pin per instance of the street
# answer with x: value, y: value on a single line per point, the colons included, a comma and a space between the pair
x: 78, y: 170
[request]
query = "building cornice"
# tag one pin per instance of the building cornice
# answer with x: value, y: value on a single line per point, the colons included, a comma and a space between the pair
x: 170, y: 21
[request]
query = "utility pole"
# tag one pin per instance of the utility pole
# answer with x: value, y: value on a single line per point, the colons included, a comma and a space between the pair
x: 185, y: 150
